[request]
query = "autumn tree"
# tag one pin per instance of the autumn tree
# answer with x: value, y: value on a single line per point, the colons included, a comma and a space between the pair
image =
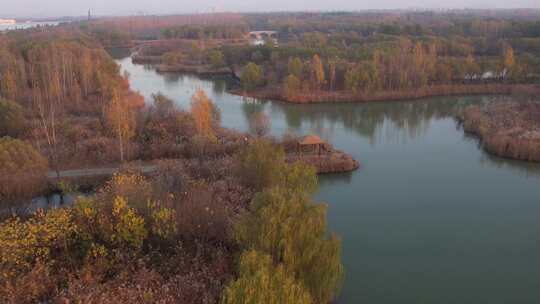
x: 509, y: 63
x: 332, y: 63
x: 202, y: 111
x: 317, y: 72
x: 260, y: 164
x: 172, y: 58
x: 259, y: 281
x: 23, y: 170
x: 12, y: 120
x: 472, y: 67
x: 162, y: 105
x: 8, y: 85
x: 291, y: 86
x: 259, y: 124
x: 285, y: 224
x: 121, y: 119
x: 295, y: 67
x: 216, y: 58
x: 358, y: 79
x: 419, y: 75
x: 251, y: 76
x: 352, y: 79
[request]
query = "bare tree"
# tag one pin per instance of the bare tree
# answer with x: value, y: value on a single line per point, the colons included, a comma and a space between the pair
x: 259, y: 124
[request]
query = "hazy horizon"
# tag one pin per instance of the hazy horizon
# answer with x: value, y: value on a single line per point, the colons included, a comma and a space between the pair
x: 62, y: 8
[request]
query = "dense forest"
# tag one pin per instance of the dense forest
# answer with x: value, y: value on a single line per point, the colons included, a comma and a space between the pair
x: 364, y: 56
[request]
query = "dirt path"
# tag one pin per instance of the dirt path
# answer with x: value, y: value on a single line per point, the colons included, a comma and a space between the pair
x: 95, y: 172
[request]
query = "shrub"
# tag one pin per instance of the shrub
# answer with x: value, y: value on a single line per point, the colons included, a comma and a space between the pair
x: 200, y: 215
x: 261, y: 164
x: 44, y: 238
x: 23, y: 170
x: 252, y: 76
x: 172, y: 58
x: 132, y: 186
x: 12, y: 120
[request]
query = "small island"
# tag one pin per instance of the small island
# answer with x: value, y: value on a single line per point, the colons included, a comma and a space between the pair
x: 509, y: 129
x: 314, y: 151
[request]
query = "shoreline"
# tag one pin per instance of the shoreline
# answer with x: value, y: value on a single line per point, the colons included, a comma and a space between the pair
x: 509, y: 130
x: 388, y: 96
x: 275, y: 93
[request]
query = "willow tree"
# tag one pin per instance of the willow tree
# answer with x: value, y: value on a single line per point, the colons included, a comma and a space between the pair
x: 251, y: 76
x: 285, y: 224
x: 261, y: 282
x: 296, y: 67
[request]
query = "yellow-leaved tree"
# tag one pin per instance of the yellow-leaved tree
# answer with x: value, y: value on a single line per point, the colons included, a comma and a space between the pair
x: 202, y: 111
x: 285, y: 224
x: 317, y: 72
x: 120, y: 117
x: 261, y: 282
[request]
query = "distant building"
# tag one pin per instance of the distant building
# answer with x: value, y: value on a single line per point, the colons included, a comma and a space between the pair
x: 261, y: 37
x: 7, y: 21
x: 312, y: 144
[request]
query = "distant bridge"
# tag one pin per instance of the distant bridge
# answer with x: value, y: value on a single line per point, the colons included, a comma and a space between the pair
x: 261, y: 34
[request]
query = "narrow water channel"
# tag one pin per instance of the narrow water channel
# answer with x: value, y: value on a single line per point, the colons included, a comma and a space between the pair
x: 429, y: 217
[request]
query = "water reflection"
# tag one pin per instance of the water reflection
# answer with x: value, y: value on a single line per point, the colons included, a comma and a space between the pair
x: 378, y: 123
x: 397, y: 119
x: 428, y: 215
x: 42, y: 202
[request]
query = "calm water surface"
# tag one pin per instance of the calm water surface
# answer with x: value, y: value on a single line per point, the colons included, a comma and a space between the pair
x: 429, y: 217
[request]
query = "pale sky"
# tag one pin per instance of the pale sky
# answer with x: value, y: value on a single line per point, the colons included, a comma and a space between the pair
x: 52, y: 8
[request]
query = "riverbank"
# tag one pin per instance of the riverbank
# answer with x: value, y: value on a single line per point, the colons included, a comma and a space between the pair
x: 510, y: 130
x: 332, y: 162
x: 276, y: 93
x: 201, y: 70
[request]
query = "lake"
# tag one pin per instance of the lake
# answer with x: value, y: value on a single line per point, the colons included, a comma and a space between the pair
x: 428, y: 218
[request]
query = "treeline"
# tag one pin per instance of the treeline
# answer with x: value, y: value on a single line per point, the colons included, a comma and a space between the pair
x: 151, y: 27
x: 205, y: 32
x: 40, y: 68
x: 64, y: 83
x: 407, y: 66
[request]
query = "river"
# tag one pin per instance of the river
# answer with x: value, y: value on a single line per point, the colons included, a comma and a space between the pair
x: 428, y: 218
